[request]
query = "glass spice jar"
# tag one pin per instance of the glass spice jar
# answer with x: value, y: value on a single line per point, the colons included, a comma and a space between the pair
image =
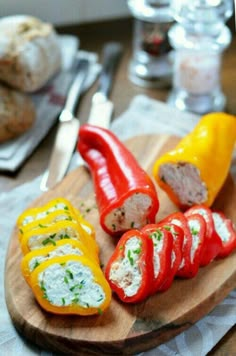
x: 199, y: 38
x: 151, y: 65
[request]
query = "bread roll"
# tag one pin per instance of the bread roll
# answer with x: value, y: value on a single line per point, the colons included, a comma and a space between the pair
x: 29, y: 52
x: 17, y: 113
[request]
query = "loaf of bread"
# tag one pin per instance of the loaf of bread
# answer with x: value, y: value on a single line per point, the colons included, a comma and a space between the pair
x: 29, y: 52
x: 17, y: 113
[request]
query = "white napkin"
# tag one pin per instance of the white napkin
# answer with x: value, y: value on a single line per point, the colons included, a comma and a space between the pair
x: 48, y: 103
x: 144, y: 115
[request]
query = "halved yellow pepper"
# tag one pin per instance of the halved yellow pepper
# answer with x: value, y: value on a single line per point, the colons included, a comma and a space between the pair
x: 63, y: 247
x: 80, y: 288
x: 209, y: 149
x: 49, y: 235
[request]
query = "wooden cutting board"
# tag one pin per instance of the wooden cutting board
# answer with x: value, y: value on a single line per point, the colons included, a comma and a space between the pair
x: 123, y: 329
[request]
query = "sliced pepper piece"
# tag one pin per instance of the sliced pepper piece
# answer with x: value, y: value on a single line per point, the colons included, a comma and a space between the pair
x: 226, y: 231
x: 46, y: 236
x: 176, y: 256
x: 194, y: 172
x: 130, y: 268
x: 197, y: 226
x: 125, y: 194
x: 34, y: 258
x: 70, y: 285
x: 180, y: 220
x: 212, y: 244
x: 162, y: 252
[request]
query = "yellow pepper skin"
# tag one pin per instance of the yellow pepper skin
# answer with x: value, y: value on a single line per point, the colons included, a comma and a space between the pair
x: 209, y: 148
x: 34, y: 258
x: 69, y: 297
x: 45, y: 236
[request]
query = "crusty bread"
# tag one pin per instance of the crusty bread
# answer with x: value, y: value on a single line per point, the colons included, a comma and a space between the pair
x: 29, y: 52
x: 17, y: 113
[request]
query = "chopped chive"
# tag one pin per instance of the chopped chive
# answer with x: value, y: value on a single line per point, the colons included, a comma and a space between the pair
x: 41, y: 225
x: 66, y: 207
x: 21, y: 231
x: 66, y: 280
x: 166, y: 227
x: 121, y: 248
x: 75, y: 300
x: 42, y: 286
x: 65, y: 236
x: 87, y: 305
x: 132, y: 224
x: 48, y: 240
x: 163, y: 179
x: 194, y: 231
x: 113, y: 227
x: 88, y: 210
x: 131, y: 260
x: 99, y: 311
x: 137, y: 251
x: 63, y: 301
x: 62, y: 263
x: 100, y: 299
x: 70, y: 274
x: 36, y: 264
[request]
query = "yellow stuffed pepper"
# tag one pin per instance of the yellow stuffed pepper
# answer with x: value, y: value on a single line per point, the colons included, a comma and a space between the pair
x: 70, y: 285
x: 195, y: 171
x: 64, y: 247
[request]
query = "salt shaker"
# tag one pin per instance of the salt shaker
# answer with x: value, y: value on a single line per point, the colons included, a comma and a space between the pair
x: 199, y: 38
x: 151, y: 61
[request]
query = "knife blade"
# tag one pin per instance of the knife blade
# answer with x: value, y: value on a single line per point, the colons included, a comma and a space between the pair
x: 101, y: 107
x: 67, y: 132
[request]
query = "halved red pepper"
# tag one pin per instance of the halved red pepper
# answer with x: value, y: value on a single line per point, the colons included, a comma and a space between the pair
x: 180, y: 220
x: 125, y: 194
x: 162, y: 252
x: 226, y: 231
x: 212, y: 244
x: 130, y: 268
x: 176, y: 257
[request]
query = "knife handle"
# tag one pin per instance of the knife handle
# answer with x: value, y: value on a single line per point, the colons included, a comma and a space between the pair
x: 112, y: 52
x: 76, y: 89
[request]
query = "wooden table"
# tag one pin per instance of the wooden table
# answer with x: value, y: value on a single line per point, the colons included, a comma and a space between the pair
x: 92, y: 37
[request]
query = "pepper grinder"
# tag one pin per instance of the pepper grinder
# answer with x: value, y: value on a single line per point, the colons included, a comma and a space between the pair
x: 199, y: 38
x: 151, y: 65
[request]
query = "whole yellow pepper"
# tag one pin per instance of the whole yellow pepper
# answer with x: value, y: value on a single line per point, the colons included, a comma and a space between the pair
x: 195, y: 171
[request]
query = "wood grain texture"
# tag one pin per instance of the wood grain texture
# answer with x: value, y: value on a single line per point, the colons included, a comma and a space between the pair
x: 122, y: 329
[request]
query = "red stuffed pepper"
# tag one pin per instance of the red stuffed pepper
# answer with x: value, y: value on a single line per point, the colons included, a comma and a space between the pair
x: 226, y: 232
x: 176, y: 256
x: 212, y: 244
x: 162, y: 252
x: 130, y: 268
x: 125, y: 194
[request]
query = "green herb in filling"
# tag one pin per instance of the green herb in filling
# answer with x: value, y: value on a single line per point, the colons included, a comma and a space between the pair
x: 131, y: 260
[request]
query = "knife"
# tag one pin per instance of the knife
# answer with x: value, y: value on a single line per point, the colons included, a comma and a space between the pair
x: 101, y: 107
x: 67, y: 133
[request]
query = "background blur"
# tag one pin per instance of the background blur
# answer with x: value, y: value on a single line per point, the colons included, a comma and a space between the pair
x: 66, y: 11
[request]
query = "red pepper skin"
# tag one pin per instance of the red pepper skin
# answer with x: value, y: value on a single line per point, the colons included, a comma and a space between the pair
x: 163, y: 242
x: 198, y: 234
x: 143, y: 263
x: 229, y: 244
x: 117, y: 176
x: 180, y: 220
x: 212, y: 243
x: 178, y: 238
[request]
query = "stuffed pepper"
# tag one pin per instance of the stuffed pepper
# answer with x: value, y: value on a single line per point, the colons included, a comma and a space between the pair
x: 70, y: 285
x: 125, y: 194
x: 162, y: 254
x: 194, y: 172
x: 226, y: 231
x: 130, y: 270
x: 63, y: 247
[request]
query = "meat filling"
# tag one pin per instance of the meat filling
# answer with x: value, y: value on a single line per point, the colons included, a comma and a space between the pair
x: 184, y: 179
x: 133, y: 214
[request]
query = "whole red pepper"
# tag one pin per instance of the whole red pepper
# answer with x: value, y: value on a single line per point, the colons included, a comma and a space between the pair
x: 176, y: 257
x: 212, y: 244
x: 125, y: 194
x: 130, y: 268
x: 162, y: 251
x: 226, y: 232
